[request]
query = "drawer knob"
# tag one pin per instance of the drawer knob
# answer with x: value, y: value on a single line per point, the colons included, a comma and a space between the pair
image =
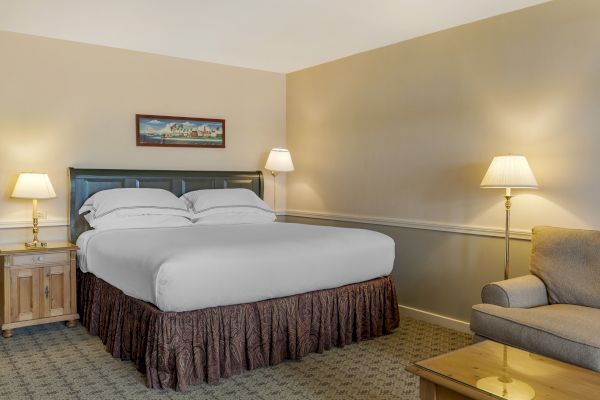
x: 40, y: 258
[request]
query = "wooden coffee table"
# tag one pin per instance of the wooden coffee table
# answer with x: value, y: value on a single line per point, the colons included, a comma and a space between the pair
x: 489, y: 370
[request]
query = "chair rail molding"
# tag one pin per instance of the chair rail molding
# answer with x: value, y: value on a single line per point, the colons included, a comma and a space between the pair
x: 26, y: 223
x: 363, y: 219
x: 521, y: 234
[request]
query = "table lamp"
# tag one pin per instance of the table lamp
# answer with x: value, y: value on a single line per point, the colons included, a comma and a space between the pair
x: 509, y: 172
x: 279, y: 160
x: 36, y: 187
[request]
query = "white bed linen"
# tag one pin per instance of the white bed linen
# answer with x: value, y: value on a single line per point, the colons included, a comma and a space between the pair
x: 194, y: 267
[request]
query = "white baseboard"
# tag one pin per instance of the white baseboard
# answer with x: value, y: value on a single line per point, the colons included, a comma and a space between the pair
x: 436, y: 319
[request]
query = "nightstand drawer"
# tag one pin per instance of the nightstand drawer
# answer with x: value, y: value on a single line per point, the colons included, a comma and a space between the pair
x: 55, y: 258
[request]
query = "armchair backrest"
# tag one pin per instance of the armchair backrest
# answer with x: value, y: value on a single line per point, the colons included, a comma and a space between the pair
x: 568, y: 261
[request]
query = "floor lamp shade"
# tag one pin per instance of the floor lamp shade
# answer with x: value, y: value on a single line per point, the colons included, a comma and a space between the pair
x: 509, y: 172
x: 279, y: 160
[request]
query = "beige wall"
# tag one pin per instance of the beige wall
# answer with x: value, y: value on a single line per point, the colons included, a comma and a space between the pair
x: 407, y: 131
x: 68, y: 104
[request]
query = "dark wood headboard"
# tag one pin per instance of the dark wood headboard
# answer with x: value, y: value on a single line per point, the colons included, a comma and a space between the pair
x: 86, y: 182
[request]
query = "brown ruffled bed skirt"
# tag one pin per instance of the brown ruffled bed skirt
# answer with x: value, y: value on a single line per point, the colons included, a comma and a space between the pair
x: 177, y: 349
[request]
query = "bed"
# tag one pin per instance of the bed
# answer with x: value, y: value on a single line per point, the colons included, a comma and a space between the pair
x: 200, y: 303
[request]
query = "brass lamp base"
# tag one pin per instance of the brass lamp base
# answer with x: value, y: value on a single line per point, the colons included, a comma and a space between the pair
x: 36, y: 230
x: 507, y: 388
x: 36, y: 243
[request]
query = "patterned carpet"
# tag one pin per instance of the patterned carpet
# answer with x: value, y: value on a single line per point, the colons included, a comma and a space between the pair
x: 54, y: 362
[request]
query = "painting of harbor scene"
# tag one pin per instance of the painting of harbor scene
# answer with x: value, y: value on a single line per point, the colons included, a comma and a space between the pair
x: 154, y: 130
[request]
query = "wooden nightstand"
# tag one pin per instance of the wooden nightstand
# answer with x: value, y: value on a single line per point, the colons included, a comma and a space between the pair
x: 37, y: 285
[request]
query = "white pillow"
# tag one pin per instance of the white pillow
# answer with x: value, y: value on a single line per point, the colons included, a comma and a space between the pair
x: 227, y: 206
x: 140, y: 221
x: 132, y: 207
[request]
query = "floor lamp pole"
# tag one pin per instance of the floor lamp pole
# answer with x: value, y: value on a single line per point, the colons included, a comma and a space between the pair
x: 274, y: 174
x: 507, y: 204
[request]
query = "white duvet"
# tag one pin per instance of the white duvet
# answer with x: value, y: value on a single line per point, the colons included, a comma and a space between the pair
x: 193, y: 267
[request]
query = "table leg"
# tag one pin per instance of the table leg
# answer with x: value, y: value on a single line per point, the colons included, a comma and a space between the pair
x: 430, y: 391
x: 427, y: 389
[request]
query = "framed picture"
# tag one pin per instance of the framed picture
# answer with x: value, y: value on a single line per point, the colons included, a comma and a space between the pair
x: 157, y: 130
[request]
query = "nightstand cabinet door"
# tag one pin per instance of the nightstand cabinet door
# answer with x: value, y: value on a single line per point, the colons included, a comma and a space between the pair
x: 56, y: 290
x: 24, y: 295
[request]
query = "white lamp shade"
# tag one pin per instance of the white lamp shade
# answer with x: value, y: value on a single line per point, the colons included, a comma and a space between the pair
x: 279, y: 160
x: 509, y: 172
x: 33, y: 186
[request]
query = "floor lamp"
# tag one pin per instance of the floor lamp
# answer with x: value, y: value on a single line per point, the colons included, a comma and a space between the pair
x: 509, y: 172
x: 280, y: 160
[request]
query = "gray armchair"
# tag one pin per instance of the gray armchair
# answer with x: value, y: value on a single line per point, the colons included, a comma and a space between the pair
x: 556, y: 310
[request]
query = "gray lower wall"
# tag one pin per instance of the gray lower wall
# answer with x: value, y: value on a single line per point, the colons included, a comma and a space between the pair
x: 442, y: 272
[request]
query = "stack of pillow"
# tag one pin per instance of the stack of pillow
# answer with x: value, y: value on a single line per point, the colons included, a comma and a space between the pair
x: 129, y: 208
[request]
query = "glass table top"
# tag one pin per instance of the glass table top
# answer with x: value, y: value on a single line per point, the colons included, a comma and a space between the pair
x: 505, y: 372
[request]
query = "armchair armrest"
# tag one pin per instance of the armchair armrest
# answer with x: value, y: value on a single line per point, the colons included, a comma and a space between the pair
x: 523, y: 292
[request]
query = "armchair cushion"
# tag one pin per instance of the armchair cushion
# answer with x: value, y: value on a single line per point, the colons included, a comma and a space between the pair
x: 522, y: 292
x: 562, y: 331
x: 568, y: 261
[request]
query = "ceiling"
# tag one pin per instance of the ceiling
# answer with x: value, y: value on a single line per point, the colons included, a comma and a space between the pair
x: 272, y: 35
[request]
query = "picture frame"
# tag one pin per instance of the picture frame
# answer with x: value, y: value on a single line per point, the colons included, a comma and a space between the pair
x: 168, y: 131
